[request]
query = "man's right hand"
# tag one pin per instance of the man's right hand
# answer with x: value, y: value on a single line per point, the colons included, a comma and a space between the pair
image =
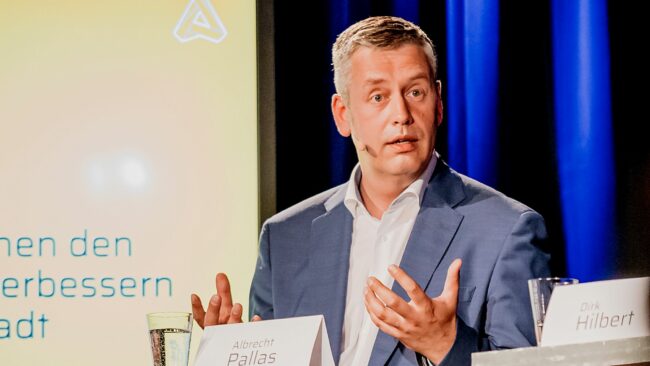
x: 220, y: 310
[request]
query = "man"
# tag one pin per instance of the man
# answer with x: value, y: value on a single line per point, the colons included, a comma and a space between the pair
x: 336, y: 253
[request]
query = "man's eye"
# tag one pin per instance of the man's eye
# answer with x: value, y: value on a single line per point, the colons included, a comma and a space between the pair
x: 377, y: 98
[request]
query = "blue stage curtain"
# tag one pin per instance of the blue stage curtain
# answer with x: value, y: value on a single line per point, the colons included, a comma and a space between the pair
x: 584, y: 136
x: 472, y: 72
x: 343, y: 13
x: 407, y: 9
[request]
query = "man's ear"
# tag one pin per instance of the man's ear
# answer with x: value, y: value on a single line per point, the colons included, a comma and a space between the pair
x: 339, y: 111
x: 439, y: 107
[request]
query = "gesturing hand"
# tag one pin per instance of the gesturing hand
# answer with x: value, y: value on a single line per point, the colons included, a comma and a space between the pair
x: 425, y: 325
x: 220, y: 308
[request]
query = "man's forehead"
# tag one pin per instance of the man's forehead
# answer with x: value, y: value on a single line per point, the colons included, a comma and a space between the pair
x: 376, y: 68
x: 374, y: 60
x: 379, y: 51
x: 375, y: 78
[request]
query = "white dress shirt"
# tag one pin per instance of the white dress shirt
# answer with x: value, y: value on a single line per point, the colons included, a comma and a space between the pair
x: 376, y: 244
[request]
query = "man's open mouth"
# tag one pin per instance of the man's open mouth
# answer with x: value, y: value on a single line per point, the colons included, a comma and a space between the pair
x: 403, y: 140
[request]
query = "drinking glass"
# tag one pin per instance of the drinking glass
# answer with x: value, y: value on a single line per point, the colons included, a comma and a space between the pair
x: 540, y: 290
x: 170, y: 338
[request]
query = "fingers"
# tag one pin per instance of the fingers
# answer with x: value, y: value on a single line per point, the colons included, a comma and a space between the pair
x: 235, y: 314
x: 211, y: 317
x: 409, y: 285
x: 212, y: 314
x: 387, y: 297
x: 385, y: 327
x: 220, y: 309
x: 450, y: 292
x: 377, y: 308
x: 223, y: 290
x: 197, y: 310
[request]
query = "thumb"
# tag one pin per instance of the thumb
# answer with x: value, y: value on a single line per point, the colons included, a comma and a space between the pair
x: 450, y: 292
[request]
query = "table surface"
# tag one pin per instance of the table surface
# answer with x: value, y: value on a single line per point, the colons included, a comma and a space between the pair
x: 605, y: 353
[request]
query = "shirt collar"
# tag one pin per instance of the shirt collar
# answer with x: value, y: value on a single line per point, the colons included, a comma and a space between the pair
x: 416, y: 189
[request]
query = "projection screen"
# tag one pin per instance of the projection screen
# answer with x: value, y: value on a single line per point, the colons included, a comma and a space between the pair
x: 129, y: 170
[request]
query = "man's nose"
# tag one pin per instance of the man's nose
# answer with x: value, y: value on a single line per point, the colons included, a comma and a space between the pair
x: 401, y: 113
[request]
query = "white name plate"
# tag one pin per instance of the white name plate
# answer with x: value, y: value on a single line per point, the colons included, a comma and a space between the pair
x: 292, y: 341
x: 598, y: 311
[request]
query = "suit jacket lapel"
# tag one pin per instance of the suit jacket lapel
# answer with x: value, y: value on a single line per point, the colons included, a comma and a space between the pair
x: 331, y: 237
x: 432, y: 233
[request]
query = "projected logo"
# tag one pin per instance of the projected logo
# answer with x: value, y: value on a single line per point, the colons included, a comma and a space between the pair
x: 200, y: 21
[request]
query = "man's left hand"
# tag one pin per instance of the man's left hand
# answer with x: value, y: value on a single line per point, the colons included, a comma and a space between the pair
x: 425, y: 325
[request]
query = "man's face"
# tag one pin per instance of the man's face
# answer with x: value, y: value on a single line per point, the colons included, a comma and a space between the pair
x: 392, y: 112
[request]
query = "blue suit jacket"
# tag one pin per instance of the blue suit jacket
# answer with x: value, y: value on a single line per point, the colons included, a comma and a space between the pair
x: 303, y: 262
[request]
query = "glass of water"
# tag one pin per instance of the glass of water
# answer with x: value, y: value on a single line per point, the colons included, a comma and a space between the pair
x: 540, y: 294
x: 170, y: 338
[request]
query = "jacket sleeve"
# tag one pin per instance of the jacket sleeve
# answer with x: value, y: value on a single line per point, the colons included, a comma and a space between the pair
x: 261, y: 295
x: 509, y: 319
x: 509, y: 322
